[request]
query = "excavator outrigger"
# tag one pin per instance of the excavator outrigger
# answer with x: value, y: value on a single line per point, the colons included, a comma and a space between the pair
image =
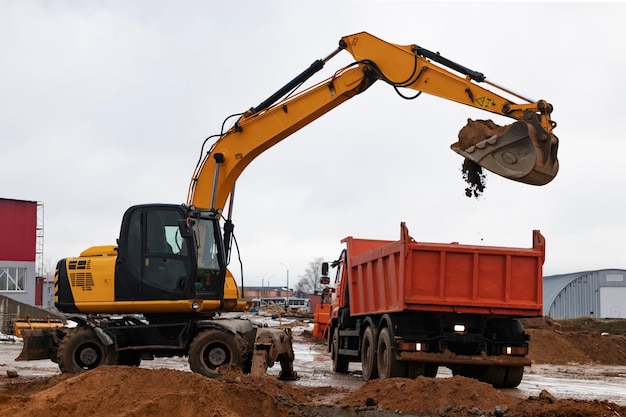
x: 164, y: 289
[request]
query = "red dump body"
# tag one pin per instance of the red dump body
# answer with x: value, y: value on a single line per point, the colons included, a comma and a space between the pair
x: 405, y: 275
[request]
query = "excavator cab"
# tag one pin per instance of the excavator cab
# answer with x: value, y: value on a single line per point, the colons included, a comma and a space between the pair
x: 523, y: 151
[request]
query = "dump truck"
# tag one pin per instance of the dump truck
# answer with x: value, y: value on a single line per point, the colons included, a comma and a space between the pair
x: 403, y: 308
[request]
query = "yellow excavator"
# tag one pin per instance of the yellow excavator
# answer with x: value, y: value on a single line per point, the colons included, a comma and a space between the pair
x: 165, y: 289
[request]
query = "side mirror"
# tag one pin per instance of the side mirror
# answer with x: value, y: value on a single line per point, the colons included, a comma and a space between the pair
x: 324, y: 280
x: 184, y: 226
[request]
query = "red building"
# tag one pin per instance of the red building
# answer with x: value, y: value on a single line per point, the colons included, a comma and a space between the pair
x: 18, y: 249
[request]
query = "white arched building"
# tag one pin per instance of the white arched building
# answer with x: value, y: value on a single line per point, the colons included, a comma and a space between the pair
x: 600, y: 293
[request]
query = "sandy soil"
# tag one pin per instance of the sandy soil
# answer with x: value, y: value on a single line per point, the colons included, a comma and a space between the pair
x: 123, y: 391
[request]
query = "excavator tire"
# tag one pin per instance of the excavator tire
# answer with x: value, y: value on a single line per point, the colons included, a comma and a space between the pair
x: 213, y: 348
x: 81, y: 350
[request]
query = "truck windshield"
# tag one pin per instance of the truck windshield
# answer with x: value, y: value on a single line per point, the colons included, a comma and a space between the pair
x: 207, y: 245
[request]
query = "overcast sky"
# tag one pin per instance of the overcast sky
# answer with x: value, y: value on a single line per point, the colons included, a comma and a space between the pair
x: 105, y: 104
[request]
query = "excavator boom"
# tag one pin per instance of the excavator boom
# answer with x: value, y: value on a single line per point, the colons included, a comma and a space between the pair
x: 526, y: 151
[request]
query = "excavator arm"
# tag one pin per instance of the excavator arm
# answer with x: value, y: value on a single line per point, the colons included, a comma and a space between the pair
x: 526, y: 151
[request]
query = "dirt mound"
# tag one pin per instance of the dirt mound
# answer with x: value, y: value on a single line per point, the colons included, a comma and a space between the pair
x: 126, y: 391
x: 136, y: 392
x: 478, y: 130
x: 139, y: 392
x: 464, y: 397
x: 588, y: 340
x: 433, y: 396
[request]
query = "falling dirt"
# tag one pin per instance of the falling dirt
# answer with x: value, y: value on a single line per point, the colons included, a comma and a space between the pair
x: 474, y: 176
x: 139, y: 392
x: 473, y: 132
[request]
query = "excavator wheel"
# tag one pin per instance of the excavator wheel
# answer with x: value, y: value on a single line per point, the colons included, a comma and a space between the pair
x: 81, y: 350
x: 213, y: 348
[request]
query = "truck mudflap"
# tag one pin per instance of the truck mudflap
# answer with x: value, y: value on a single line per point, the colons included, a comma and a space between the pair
x: 271, y: 345
x: 449, y: 358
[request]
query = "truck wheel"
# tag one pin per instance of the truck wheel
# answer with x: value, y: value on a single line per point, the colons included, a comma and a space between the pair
x: 415, y: 369
x: 81, y: 350
x: 493, y: 375
x: 464, y: 370
x: 340, y: 363
x: 513, y: 376
x: 211, y: 349
x: 368, y: 354
x: 430, y: 370
x: 388, y: 365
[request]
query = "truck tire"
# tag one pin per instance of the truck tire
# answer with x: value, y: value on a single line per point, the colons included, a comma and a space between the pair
x: 468, y: 371
x: 340, y: 362
x: 513, y: 376
x: 368, y: 354
x: 81, y: 350
x: 388, y: 365
x: 430, y: 370
x: 493, y: 375
x: 415, y: 369
x: 211, y: 349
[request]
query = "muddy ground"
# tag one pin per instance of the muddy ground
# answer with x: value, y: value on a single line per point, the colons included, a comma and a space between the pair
x: 593, y: 350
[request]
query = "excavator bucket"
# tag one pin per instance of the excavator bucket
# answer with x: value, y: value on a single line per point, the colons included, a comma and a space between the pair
x: 523, y: 151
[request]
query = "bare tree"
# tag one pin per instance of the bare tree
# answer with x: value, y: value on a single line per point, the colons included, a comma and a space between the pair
x: 309, y: 282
